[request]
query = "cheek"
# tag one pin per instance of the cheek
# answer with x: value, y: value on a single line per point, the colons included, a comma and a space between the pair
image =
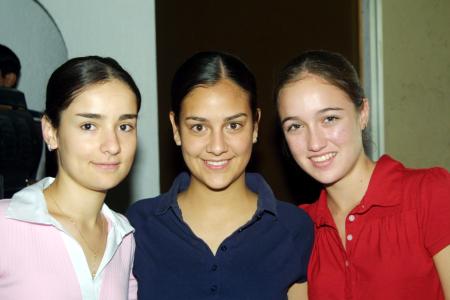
x: 128, y: 139
x: 76, y: 146
x: 192, y: 145
x: 341, y: 135
x: 241, y: 143
x: 129, y: 145
x: 296, y: 143
x: 298, y: 149
x: 72, y: 155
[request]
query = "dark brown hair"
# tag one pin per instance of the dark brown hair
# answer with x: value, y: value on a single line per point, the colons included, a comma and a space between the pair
x: 207, y: 68
x: 332, y: 67
x: 77, y: 74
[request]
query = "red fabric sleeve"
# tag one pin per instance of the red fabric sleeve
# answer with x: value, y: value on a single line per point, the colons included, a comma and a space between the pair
x: 434, y: 208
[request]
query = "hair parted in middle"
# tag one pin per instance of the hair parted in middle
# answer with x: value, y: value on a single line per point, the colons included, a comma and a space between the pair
x: 330, y: 66
x: 206, y: 69
x: 76, y: 75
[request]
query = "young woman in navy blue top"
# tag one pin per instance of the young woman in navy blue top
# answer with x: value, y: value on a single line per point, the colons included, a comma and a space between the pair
x: 219, y: 231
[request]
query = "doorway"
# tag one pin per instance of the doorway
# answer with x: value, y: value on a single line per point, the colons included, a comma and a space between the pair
x: 265, y: 35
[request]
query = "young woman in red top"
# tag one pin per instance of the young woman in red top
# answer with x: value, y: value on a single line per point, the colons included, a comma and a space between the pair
x: 382, y: 230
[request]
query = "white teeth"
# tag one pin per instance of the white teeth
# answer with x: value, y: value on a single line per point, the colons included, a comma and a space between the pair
x: 323, y: 157
x: 216, y: 163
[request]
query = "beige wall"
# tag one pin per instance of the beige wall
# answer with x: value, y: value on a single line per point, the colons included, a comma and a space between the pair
x: 416, y: 50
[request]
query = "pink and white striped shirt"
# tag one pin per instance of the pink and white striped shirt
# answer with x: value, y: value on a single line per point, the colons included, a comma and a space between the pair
x: 39, y: 260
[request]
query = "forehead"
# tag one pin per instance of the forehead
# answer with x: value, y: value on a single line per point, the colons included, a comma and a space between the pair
x: 220, y: 98
x: 312, y: 92
x: 109, y: 96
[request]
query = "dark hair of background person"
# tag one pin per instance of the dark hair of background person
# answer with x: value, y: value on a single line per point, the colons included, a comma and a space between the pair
x: 71, y: 79
x: 20, y: 132
x: 9, y: 63
x: 206, y: 69
x: 333, y: 67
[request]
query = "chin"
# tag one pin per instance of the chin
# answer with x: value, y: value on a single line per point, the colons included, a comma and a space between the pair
x: 328, y: 183
x: 104, y: 185
x: 218, y: 182
x: 101, y: 188
x: 322, y: 177
x: 217, y: 186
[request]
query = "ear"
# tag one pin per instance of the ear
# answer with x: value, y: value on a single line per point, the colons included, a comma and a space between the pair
x: 364, y: 114
x: 9, y: 80
x: 49, y: 134
x: 176, y: 132
x: 256, y: 125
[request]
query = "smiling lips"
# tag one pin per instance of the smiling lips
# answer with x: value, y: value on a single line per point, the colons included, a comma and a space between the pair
x: 217, y: 164
x: 323, y: 160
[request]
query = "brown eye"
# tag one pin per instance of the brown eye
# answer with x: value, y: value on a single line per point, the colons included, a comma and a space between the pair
x: 88, y: 126
x: 126, y: 127
x: 293, y: 127
x: 234, y: 126
x: 330, y: 119
x: 197, y: 127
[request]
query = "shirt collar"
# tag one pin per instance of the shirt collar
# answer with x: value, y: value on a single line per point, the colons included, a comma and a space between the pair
x: 383, y: 190
x: 254, y: 181
x: 266, y: 199
x: 118, y: 223
x: 29, y: 205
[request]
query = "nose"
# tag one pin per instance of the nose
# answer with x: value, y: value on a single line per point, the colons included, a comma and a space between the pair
x: 316, y: 140
x: 110, y: 143
x: 217, y: 144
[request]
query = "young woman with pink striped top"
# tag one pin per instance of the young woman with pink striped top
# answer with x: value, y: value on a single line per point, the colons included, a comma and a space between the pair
x: 59, y: 239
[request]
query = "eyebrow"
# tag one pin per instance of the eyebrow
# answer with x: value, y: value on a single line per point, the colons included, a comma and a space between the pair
x: 128, y: 116
x: 200, y: 119
x: 98, y: 116
x: 236, y: 116
x: 322, y: 111
x: 288, y: 119
x: 329, y: 109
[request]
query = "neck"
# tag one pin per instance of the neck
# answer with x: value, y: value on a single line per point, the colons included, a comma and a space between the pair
x: 347, y: 193
x: 231, y: 199
x: 71, y: 200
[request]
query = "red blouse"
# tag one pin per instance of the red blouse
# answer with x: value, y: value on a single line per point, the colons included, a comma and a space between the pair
x: 402, y: 221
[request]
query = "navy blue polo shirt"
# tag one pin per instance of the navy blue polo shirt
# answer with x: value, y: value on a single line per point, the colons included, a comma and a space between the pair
x: 260, y: 260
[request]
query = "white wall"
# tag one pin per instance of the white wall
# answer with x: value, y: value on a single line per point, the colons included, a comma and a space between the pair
x: 27, y: 29
x: 124, y: 30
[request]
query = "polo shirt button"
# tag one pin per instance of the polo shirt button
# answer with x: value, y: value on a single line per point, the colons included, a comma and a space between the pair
x: 213, y: 288
x: 213, y: 268
x: 347, y: 263
x: 223, y: 248
x: 349, y: 237
x: 351, y: 218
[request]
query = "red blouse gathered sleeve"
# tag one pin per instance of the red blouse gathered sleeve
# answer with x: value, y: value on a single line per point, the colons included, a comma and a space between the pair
x: 434, y: 209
